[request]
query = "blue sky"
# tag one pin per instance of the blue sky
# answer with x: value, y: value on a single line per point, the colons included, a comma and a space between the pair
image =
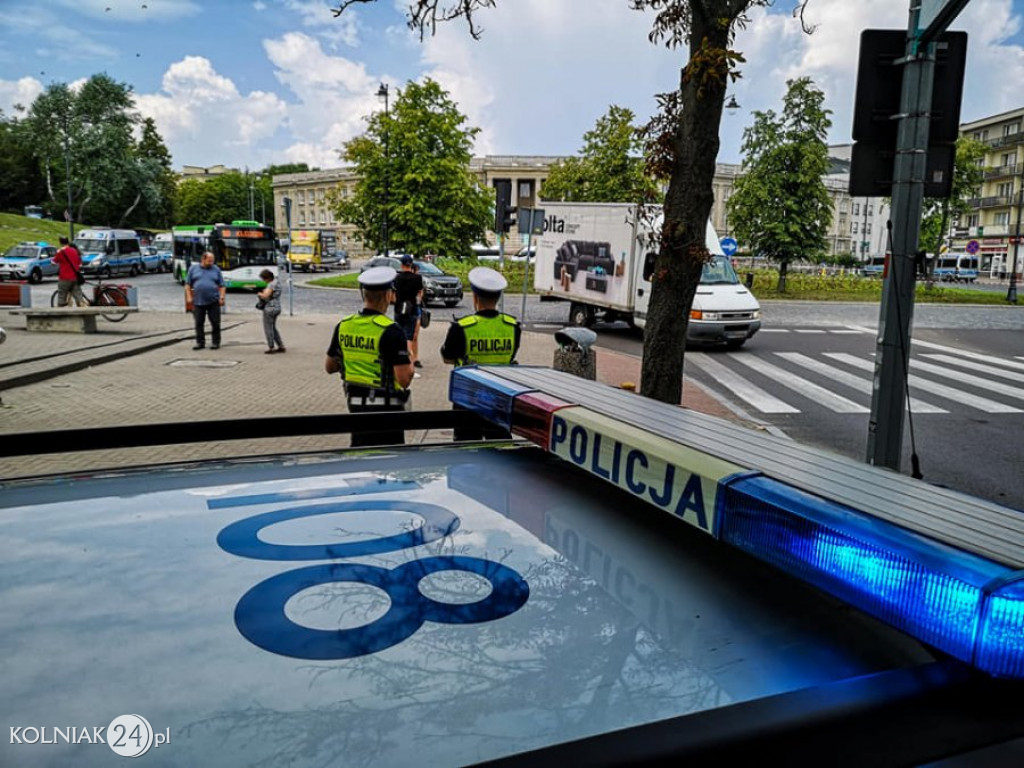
x: 248, y: 83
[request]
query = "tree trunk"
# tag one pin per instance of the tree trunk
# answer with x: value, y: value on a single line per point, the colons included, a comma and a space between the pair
x: 783, y: 269
x: 81, y: 207
x: 687, y: 209
x: 131, y: 208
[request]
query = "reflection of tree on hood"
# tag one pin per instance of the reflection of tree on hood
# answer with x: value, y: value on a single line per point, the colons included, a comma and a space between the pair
x: 465, y: 693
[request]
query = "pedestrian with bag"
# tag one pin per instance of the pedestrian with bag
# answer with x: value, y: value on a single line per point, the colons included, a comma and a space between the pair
x: 270, y: 304
x: 69, y: 275
x: 371, y: 353
x: 408, y: 299
x: 205, y: 292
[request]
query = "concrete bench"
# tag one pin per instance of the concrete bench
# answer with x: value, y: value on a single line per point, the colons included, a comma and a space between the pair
x: 15, y: 295
x: 66, y: 319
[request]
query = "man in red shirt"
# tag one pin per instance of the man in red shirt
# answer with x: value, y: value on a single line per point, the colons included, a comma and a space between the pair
x: 70, y: 262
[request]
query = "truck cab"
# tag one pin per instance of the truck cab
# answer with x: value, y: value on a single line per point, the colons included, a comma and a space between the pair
x: 108, y: 252
x: 724, y: 311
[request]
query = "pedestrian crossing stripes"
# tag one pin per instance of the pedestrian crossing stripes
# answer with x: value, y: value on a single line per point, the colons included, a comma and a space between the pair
x: 849, y: 331
x: 794, y: 382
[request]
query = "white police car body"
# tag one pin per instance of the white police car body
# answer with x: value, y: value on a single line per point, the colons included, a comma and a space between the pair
x: 429, y: 606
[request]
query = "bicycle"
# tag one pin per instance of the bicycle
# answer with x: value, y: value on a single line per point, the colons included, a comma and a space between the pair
x: 102, y: 296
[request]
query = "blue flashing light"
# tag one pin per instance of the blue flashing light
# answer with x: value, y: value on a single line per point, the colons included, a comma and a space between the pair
x: 1001, y: 641
x: 485, y: 394
x: 942, y: 596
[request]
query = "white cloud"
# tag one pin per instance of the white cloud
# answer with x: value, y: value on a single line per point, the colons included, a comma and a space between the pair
x: 317, y: 15
x: 544, y: 72
x: 333, y: 95
x: 205, y: 120
x: 22, y: 91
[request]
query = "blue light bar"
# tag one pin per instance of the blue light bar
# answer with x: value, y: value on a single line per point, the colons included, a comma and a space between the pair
x: 940, y: 595
x: 485, y: 394
x: 960, y: 603
x: 1002, y: 629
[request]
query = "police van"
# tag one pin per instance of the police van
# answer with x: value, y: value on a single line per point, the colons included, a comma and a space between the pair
x: 107, y: 252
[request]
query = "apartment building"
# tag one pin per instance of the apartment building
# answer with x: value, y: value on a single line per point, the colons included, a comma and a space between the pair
x: 992, y: 228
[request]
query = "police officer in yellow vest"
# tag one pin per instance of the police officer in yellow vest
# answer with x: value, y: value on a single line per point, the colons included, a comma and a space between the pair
x: 488, y: 337
x: 372, y: 355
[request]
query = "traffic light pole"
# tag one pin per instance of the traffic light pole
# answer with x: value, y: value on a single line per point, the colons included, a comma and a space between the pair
x: 892, y: 353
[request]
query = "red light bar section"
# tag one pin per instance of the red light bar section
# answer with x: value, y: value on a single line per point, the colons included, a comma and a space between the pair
x: 531, y: 416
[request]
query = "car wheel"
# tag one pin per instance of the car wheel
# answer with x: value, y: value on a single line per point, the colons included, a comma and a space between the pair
x: 735, y: 343
x: 133, y: 270
x: 107, y: 272
x: 35, y: 276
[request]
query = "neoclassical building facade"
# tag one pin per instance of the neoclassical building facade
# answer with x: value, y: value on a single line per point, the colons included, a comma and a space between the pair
x: 857, y: 223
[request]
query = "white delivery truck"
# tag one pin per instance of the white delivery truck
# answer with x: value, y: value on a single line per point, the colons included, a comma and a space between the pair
x: 599, y: 257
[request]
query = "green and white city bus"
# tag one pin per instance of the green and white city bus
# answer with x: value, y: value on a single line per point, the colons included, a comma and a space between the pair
x: 242, y: 249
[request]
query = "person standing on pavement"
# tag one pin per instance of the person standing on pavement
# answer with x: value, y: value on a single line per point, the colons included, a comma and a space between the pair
x: 271, y: 298
x: 488, y: 337
x: 205, y: 291
x: 408, y: 299
x: 69, y: 261
x: 371, y: 353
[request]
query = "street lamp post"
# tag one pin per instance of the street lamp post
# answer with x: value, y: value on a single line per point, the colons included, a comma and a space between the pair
x: 382, y: 92
x: 252, y: 202
x: 67, y: 173
x: 1011, y: 292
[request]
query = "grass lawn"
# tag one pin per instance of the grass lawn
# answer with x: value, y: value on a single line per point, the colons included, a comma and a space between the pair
x: 15, y: 229
x: 800, y: 287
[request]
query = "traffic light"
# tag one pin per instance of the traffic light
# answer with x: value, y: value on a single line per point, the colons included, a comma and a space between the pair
x: 504, y: 211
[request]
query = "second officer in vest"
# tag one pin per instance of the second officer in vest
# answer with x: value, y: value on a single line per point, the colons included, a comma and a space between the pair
x: 488, y: 337
x: 372, y: 355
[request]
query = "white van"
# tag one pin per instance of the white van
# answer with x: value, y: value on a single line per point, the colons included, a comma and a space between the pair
x: 108, y: 252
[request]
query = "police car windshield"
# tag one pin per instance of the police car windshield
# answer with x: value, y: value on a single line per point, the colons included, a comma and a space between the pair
x: 719, y: 271
x: 91, y: 245
x: 22, y: 252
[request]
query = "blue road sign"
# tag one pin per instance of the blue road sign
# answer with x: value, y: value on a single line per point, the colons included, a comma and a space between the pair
x: 729, y: 245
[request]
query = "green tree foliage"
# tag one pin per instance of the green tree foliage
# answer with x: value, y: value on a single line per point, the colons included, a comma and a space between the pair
x: 112, y: 180
x: 152, y: 151
x: 220, y: 199
x: 780, y: 208
x: 967, y: 179
x: 610, y: 167
x: 20, y: 181
x: 277, y: 170
x: 414, y: 164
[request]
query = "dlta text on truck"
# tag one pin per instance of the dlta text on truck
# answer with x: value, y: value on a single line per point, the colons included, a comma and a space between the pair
x: 598, y: 257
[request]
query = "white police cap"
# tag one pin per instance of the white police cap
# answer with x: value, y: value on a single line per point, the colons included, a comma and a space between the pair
x: 377, y: 278
x: 486, y: 280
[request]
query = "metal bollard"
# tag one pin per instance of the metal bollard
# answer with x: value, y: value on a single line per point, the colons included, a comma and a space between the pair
x: 574, y: 354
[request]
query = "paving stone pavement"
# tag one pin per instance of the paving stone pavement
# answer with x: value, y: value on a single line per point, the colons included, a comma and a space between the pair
x: 144, y: 371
